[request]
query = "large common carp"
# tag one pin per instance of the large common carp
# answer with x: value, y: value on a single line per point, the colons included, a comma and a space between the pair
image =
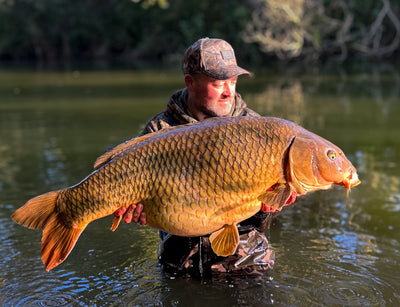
x: 193, y: 180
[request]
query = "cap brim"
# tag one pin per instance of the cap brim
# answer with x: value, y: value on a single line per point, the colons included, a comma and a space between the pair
x: 227, y: 72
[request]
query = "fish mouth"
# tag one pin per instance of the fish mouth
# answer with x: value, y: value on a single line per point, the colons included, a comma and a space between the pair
x: 351, y: 181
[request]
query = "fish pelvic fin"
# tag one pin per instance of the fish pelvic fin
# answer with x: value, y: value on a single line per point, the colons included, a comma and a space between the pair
x: 58, y: 239
x: 225, y: 240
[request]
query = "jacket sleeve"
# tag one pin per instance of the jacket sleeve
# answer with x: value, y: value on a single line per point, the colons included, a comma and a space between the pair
x: 158, y: 122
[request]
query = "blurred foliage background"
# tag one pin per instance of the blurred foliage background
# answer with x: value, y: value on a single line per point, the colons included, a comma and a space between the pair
x: 158, y: 31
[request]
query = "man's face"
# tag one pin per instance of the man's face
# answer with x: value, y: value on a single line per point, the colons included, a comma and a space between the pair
x: 213, y: 97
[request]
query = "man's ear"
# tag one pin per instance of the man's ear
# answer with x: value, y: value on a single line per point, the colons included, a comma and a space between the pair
x: 189, y: 81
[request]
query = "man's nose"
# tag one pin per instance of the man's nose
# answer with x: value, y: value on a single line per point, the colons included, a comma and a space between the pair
x: 227, y: 89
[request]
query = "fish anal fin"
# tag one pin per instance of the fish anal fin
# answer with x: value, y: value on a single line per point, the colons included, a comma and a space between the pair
x: 116, y: 222
x: 277, y: 196
x: 225, y: 240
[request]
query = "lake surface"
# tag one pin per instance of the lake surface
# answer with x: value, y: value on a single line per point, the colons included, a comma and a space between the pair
x: 330, y: 249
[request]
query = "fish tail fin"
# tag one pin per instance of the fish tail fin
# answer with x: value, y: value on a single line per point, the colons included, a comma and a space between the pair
x: 58, y: 239
x: 37, y: 211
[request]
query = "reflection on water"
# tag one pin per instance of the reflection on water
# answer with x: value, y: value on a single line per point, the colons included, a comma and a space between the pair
x: 330, y: 249
x: 281, y: 97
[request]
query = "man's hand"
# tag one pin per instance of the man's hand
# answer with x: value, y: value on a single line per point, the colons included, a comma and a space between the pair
x: 134, y: 213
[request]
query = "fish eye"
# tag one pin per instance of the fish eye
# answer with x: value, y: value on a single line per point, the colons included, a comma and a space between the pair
x: 331, y: 155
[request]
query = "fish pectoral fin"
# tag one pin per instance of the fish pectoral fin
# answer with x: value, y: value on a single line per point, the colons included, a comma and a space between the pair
x: 225, y: 240
x: 277, y: 196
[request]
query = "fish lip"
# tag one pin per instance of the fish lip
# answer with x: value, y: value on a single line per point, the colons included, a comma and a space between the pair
x: 351, y: 181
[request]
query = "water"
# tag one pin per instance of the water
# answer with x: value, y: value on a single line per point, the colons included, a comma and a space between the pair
x: 330, y: 249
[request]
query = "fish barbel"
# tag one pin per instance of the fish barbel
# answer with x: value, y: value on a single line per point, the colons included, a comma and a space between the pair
x: 193, y: 180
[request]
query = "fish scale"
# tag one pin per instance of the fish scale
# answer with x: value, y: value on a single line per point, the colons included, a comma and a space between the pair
x: 192, y: 180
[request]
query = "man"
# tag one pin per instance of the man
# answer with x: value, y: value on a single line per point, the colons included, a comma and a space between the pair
x: 211, y: 73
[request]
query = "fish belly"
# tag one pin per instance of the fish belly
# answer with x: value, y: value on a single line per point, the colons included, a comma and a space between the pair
x: 199, y: 219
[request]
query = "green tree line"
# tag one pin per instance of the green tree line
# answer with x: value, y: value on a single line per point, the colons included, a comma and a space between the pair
x: 160, y: 30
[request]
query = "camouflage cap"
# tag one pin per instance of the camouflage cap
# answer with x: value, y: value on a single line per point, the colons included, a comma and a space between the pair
x: 212, y: 57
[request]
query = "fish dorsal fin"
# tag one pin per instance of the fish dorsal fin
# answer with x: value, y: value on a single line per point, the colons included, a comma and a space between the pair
x: 225, y: 240
x: 108, y: 156
x: 276, y: 196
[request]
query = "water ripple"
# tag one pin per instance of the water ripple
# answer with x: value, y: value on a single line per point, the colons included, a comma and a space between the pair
x: 53, y: 298
x: 353, y: 292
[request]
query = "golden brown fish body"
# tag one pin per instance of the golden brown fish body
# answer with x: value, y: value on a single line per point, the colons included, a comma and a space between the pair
x: 190, y: 180
x: 193, y: 180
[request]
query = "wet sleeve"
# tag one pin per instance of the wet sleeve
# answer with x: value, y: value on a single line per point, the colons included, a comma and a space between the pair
x: 250, y: 112
x: 260, y: 221
x: 156, y: 123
